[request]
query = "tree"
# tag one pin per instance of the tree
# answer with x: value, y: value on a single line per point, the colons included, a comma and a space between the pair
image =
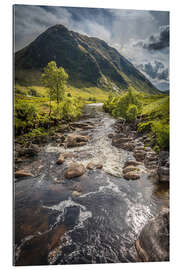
x: 55, y: 80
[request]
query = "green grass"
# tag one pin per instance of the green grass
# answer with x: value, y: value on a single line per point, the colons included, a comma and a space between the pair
x: 152, y: 110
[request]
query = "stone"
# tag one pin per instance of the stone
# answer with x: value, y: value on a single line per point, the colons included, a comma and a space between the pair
x: 90, y: 166
x: 75, y: 170
x: 153, y: 242
x: 99, y: 166
x: 133, y: 175
x: 131, y: 163
x: 23, y: 173
x: 75, y: 140
x: 140, y: 155
x: 129, y: 146
x: 30, y: 151
x: 130, y: 169
x: 60, y: 160
x: 76, y: 193
x: 110, y: 135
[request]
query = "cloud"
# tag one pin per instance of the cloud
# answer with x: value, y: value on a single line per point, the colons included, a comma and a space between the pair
x: 157, y: 41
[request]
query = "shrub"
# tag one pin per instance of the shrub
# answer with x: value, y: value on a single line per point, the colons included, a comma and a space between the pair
x: 132, y: 112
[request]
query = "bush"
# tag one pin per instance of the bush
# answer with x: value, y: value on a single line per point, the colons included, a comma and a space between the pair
x: 132, y: 112
x: 161, y: 131
x: 25, y: 116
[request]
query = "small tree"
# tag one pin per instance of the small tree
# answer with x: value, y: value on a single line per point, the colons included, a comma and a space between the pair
x: 54, y: 79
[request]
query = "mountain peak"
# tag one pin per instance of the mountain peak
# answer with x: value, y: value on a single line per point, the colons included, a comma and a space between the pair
x: 86, y: 59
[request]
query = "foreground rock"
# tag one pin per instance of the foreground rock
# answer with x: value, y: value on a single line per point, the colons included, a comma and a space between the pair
x: 139, y: 155
x: 23, y: 173
x: 75, y: 170
x: 153, y: 242
x: 75, y: 140
x: 29, y: 151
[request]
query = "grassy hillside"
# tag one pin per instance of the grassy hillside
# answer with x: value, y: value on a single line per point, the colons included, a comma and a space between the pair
x: 149, y: 112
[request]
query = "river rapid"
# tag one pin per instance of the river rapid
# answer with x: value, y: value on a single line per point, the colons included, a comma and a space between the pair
x: 95, y: 218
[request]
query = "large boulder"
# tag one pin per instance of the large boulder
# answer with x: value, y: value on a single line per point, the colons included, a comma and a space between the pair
x: 75, y: 170
x: 153, y: 242
x: 119, y: 141
x: 75, y: 140
x: 130, y: 162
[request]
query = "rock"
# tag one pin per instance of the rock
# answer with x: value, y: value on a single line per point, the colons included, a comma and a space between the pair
x: 60, y: 159
x: 131, y: 163
x: 139, y: 155
x: 137, y: 148
x: 120, y: 141
x: 130, y: 169
x: 153, y: 242
x: 23, y: 173
x: 99, y: 166
x: 110, y: 135
x: 75, y: 140
x: 30, y: 151
x: 91, y: 166
x: 132, y: 175
x: 163, y: 174
x: 76, y: 193
x: 129, y: 146
x: 75, y: 170
x: 85, y: 126
x: 148, y: 149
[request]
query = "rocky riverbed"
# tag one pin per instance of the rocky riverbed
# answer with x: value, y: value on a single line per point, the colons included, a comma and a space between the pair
x: 85, y: 195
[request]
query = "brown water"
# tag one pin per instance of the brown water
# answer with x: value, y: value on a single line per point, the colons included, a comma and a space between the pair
x: 98, y: 223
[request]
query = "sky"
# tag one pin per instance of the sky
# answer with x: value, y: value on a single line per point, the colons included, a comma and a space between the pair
x: 141, y: 36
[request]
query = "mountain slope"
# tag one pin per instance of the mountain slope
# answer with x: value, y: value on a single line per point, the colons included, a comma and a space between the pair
x: 86, y: 59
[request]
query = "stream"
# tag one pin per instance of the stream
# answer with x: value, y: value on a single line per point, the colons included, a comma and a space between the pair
x: 94, y: 218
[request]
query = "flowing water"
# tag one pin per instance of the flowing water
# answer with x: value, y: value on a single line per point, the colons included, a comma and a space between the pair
x: 95, y: 218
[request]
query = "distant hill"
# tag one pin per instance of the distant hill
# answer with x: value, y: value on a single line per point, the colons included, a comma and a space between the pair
x: 87, y: 60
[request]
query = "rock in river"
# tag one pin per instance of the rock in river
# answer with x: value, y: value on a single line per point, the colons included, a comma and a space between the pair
x: 153, y: 242
x: 75, y: 170
x: 132, y: 175
x: 60, y: 159
x: 75, y: 140
x: 23, y: 173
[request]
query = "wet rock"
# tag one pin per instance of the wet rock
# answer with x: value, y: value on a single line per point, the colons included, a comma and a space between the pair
x: 163, y: 174
x: 29, y: 151
x: 131, y: 163
x: 23, y: 173
x: 132, y: 175
x: 129, y: 146
x: 139, y: 155
x: 153, y: 242
x: 84, y: 126
x: 75, y: 170
x: 110, y: 135
x: 99, y: 166
x: 76, y: 193
x: 140, y: 147
x: 120, y: 141
x: 130, y: 169
x: 92, y: 166
x: 75, y: 140
x: 61, y: 159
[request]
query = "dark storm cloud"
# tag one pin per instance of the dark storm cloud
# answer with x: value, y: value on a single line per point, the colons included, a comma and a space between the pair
x: 157, y: 41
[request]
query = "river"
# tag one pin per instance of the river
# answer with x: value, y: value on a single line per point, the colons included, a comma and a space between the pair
x: 95, y: 218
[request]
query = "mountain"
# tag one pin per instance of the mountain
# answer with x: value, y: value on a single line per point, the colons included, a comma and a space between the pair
x: 87, y: 60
